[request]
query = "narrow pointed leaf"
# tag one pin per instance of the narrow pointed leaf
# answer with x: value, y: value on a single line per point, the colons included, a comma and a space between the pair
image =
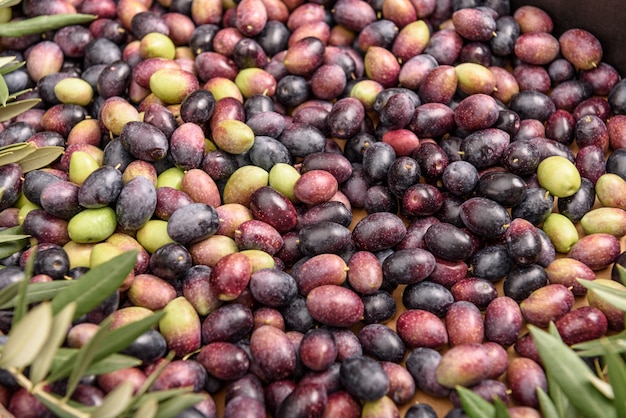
x: 5, y: 60
x: 562, y: 404
x: 148, y: 409
x: 15, y: 154
x: 173, y: 406
x: 9, y: 238
x: 37, y: 292
x: 42, y: 157
x: 27, y: 337
x: 86, y: 356
x: 5, y: 69
x: 9, y: 293
x: 547, y: 407
x: 108, y: 364
x: 155, y: 374
x: 10, y: 248
x: 160, y: 396
x: 615, y: 297
x: 18, y: 93
x: 15, y: 147
x: 20, y: 299
x: 60, y: 324
x: 621, y: 270
x: 4, y: 91
x: 9, y: 3
x: 617, y: 377
x: 115, y: 402
x: 572, y: 375
x: 13, y: 109
x: 53, y: 403
x: 500, y: 409
x: 96, y: 285
x: 40, y: 24
x: 116, y: 340
x: 474, y: 405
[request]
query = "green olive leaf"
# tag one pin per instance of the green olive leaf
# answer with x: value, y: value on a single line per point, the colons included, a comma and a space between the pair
x: 115, y: 402
x: 562, y: 404
x: 621, y: 271
x: 547, y: 407
x: 41, y: 157
x: 148, y: 409
x: 11, y: 247
x: 16, y: 152
x: 54, y: 404
x: 4, y: 91
x: 37, y: 292
x: 597, y: 347
x: 5, y: 69
x: 108, y: 364
x: 9, y: 3
x: 5, y: 60
x: 615, y: 297
x: 86, y: 356
x: 20, y: 299
x: 617, y: 377
x: 96, y: 285
x: 13, y: 109
x: 40, y: 24
x: 474, y: 405
x: 27, y: 337
x: 174, y: 406
x: 161, y: 395
x: 9, y: 292
x: 500, y: 408
x: 571, y: 374
x: 9, y: 238
x: 60, y: 324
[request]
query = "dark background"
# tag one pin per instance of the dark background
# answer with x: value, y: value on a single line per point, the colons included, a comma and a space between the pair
x: 604, y: 18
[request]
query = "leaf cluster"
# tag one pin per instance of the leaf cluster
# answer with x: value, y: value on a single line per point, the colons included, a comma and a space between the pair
x: 34, y: 354
x: 574, y: 388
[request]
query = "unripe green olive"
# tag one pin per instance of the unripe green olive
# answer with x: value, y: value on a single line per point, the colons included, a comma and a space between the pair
x: 559, y: 176
x: 92, y: 225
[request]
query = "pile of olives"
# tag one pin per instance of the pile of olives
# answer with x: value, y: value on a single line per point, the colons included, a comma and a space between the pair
x: 345, y: 207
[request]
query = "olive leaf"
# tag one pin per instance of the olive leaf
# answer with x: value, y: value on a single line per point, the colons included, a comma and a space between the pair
x: 617, y: 377
x: 571, y: 374
x: 60, y: 324
x: 597, y: 347
x: 27, y: 337
x: 6, y: 60
x: 115, y: 402
x: 41, y: 157
x: 474, y: 405
x: 13, y: 109
x: 616, y: 297
x: 108, y: 364
x: 5, y: 69
x: 11, y: 247
x: 500, y: 408
x: 9, y: 3
x: 4, y: 91
x: 9, y: 238
x: 96, y: 285
x: 547, y: 407
x: 35, y: 292
x: 9, y: 293
x: 173, y: 406
x: 86, y: 356
x: 561, y: 403
x: 20, y: 303
x: 53, y: 403
x: 15, y: 152
x: 148, y: 409
x: 40, y: 24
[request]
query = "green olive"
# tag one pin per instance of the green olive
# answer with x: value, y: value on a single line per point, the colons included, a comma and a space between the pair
x: 92, y: 225
x: 561, y: 231
x: 559, y: 176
